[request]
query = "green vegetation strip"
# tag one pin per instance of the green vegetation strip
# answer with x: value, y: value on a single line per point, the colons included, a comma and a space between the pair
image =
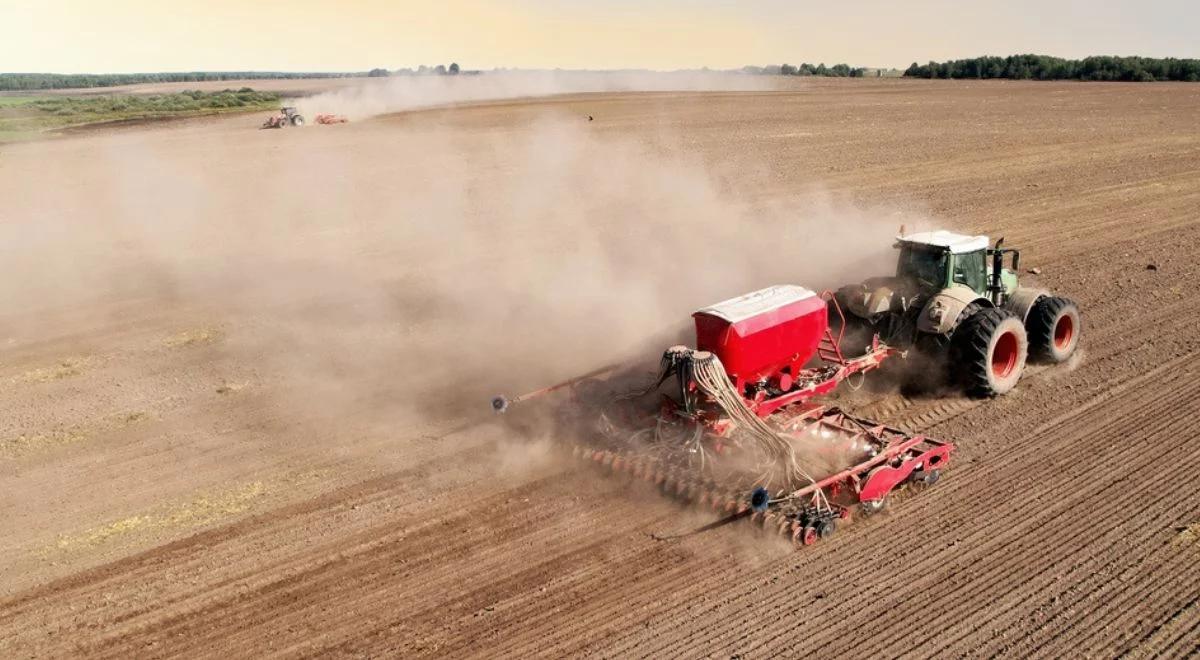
x: 25, y: 117
x: 1044, y: 67
x: 36, y: 81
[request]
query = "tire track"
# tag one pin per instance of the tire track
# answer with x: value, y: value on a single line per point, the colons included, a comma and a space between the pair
x: 1179, y: 637
x: 345, y: 565
x: 1137, y: 552
x: 852, y: 559
x: 1105, y: 589
x: 1131, y: 467
x: 1138, y: 588
x: 1011, y: 542
x: 193, y: 553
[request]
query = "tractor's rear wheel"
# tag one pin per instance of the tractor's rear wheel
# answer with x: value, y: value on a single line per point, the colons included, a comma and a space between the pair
x: 1054, y: 326
x: 989, y: 352
x: 297, y: 120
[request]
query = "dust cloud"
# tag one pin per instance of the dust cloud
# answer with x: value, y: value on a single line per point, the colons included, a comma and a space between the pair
x: 401, y: 93
x: 401, y: 276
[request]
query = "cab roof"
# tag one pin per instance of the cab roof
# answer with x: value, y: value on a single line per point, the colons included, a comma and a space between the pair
x: 948, y: 240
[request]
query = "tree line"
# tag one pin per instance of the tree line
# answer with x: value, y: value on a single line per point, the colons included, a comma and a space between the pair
x: 1044, y: 67
x: 423, y: 70
x: 806, y: 69
x: 1018, y: 67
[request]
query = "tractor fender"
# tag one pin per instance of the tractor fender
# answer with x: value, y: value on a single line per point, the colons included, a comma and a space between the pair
x: 940, y: 314
x: 1023, y: 299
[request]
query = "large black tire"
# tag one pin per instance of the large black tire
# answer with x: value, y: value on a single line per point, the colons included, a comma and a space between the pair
x: 1054, y: 326
x: 988, y: 350
x: 937, y: 346
x: 297, y: 120
x: 930, y: 367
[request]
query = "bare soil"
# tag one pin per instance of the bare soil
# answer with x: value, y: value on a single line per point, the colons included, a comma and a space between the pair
x: 240, y: 371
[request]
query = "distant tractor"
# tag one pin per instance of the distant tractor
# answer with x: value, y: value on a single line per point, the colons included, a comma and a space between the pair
x: 287, y: 115
x: 951, y: 298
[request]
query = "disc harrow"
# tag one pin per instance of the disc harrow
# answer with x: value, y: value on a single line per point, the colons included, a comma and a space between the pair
x: 732, y: 426
x: 805, y: 514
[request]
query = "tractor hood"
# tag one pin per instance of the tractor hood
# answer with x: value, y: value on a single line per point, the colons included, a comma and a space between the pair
x: 878, y: 295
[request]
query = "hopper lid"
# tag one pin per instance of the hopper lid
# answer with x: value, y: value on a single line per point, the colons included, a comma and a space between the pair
x: 754, y: 303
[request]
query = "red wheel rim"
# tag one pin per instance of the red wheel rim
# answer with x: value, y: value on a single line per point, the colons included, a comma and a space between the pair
x: 1004, y: 355
x: 810, y: 536
x: 1064, y: 332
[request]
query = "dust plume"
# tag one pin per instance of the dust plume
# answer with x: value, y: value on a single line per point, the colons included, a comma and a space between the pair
x: 403, y: 277
x: 400, y: 93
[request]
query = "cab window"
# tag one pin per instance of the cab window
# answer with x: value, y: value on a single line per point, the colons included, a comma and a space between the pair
x: 924, y: 265
x: 970, y: 268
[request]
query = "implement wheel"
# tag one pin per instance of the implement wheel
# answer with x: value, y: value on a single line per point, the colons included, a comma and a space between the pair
x: 931, y: 477
x: 989, y: 351
x: 871, y: 507
x: 1054, y: 326
x: 804, y: 536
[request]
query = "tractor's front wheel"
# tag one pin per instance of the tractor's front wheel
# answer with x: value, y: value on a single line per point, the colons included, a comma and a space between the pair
x: 1054, y: 326
x: 989, y: 352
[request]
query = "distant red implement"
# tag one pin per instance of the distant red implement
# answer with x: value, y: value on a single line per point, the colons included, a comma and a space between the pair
x: 329, y: 118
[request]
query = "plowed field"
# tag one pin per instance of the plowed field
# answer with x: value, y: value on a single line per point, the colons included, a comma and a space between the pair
x: 239, y: 372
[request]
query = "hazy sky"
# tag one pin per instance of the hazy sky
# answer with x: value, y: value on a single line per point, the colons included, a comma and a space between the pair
x: 323, y: 35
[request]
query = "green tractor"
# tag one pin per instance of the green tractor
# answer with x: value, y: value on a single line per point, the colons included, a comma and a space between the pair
x: 953, y: 299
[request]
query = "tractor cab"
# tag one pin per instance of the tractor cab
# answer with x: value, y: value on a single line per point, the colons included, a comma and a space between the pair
x: 938, y: 260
